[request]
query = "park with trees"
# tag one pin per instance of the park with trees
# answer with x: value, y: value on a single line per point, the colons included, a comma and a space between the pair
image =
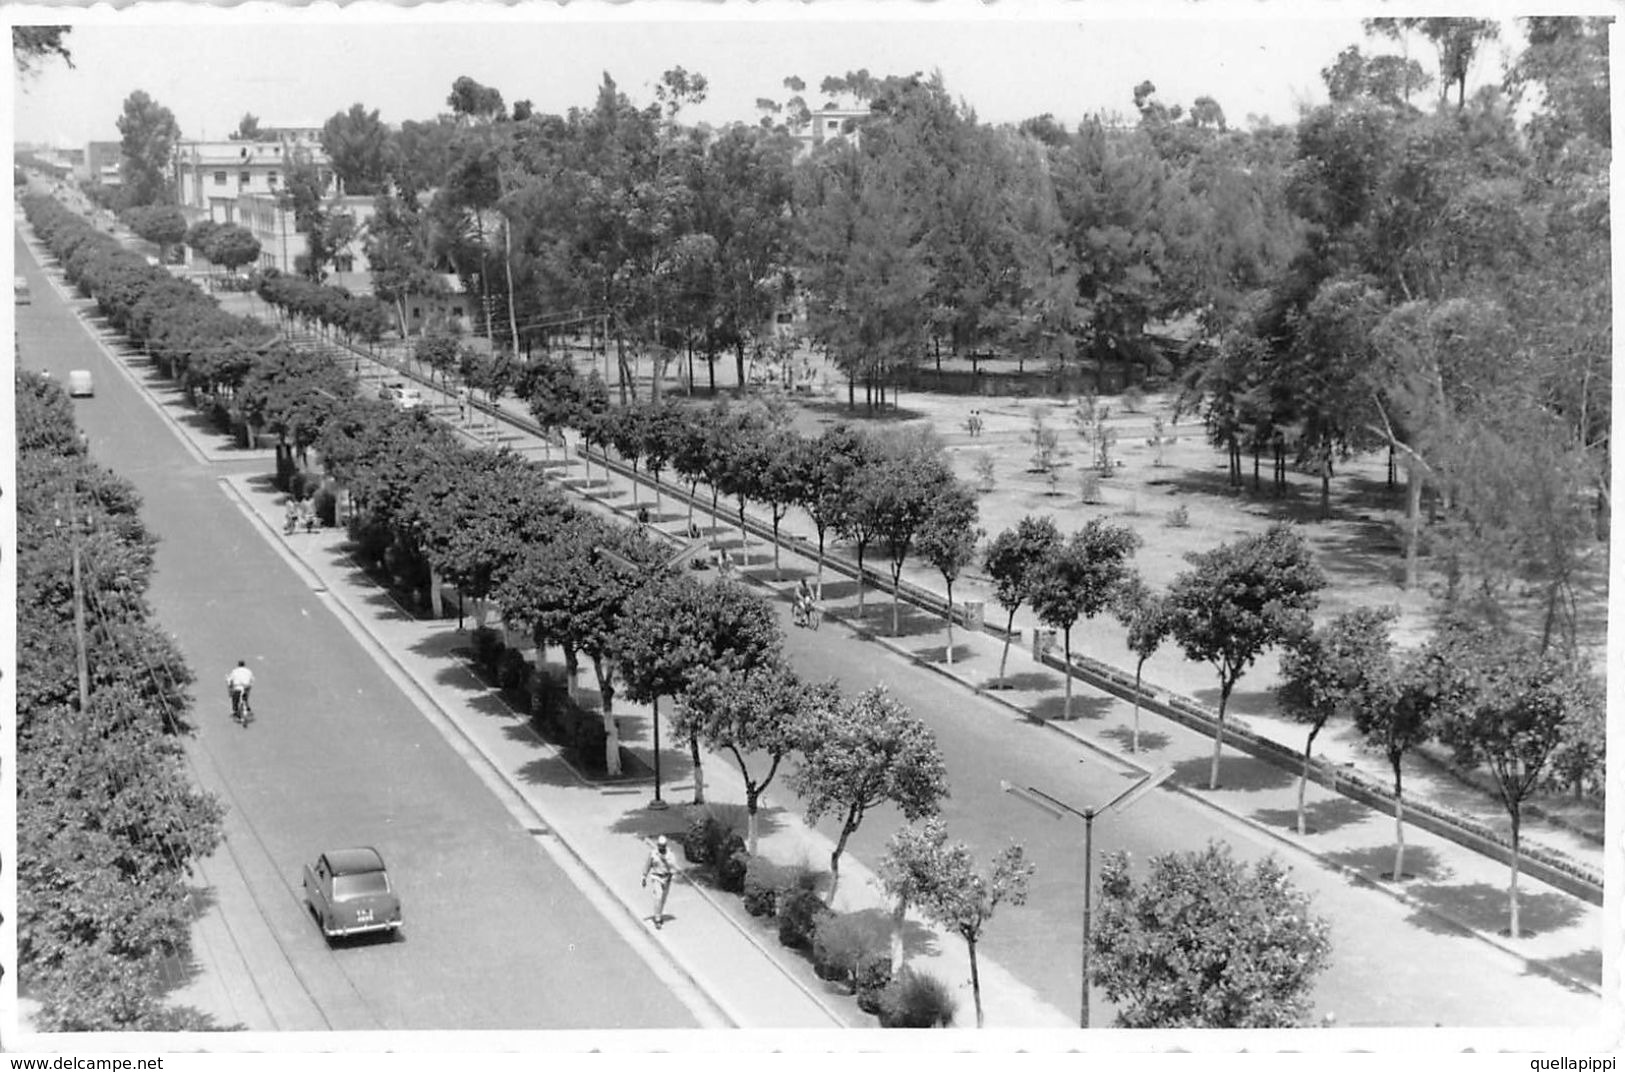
x: 1397, y: 286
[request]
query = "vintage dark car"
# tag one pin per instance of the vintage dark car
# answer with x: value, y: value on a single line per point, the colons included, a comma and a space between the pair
x: 349, y: 892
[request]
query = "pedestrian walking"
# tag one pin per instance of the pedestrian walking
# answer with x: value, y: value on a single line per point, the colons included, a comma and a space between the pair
x: 659, y: 866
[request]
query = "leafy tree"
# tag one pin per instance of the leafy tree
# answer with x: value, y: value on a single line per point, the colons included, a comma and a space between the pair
x: 1507, y: 708
x: 1082, y: 577
x: 1013, y: 560
x: 1239, y: 599
x: 399, y: 245
x: 1205, y: 941
x: 248, y: 129
x: 147, y: 137
x: 831, y: 463
x: 864, y: 267
x: 947, y: 539
x: 863, y: 753
x: 1145, y: 614
x: 357, y: 145
x: 1456, y: 40
x: 162, y: 225
x: 944, y: 881
x: 198, y: 235
x: 897, y: 494
x: 751, y: 711
x: 470, y: 100
x: 775, y: 478
x: 1343, y: 666
x: 32, y: 46
x: 572, y: 595
x: 231, y: 246
x: 674, y: 629
x: 1397, y: 717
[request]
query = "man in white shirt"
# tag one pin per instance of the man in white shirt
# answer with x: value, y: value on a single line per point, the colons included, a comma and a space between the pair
x: 238, y: 684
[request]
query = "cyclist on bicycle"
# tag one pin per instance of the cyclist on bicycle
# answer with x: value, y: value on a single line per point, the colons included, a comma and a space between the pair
x: 238, y: 683
x: 804, y: 602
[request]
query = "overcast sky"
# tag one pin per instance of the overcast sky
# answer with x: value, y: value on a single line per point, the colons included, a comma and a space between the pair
x: 1006, y: 61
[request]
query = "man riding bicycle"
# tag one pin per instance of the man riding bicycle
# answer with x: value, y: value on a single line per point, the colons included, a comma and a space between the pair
x: 805, y: 604
x: 238, y: 683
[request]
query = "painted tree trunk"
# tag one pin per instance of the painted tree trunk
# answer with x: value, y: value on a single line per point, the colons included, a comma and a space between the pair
x: 1009, y: 631
x: 860, y: 582
x: 1512, y: 888
x: 950, y: 652
x: 1066, y: 640
x: 699, y: 769
x: 744, y: 535
x: 975, y: 980
x: 896, y: 599
x: 752, y: 825
x: 820, y: 564
x: 612, y: 736
x: 1218, y: 734
x: 1399, y: 826
x: 1134, y: 740
x: 778, y: 574
x: 898, y: 912
x: 1303, y: 779
x: 436, y: 600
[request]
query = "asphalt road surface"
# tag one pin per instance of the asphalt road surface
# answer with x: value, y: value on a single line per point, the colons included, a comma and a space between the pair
x: 495, y: 936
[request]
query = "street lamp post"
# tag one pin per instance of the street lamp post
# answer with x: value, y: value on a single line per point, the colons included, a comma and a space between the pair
x: 1057, y: 809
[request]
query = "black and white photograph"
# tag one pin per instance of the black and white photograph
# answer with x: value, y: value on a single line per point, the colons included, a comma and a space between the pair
x: 759, y: 527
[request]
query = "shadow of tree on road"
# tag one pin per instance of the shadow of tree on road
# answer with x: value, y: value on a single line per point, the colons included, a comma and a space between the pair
x: 1237, y: 771
x: 1150, y: 740
x: 1031, y: 681
x: 1084, y: 705
x: 1586, y: 964
x: 1319, y: 815
x: 1484, y: 907
x: 1376, y: 861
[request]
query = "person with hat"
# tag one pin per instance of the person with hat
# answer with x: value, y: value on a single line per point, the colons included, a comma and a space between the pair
x: 660, y: 866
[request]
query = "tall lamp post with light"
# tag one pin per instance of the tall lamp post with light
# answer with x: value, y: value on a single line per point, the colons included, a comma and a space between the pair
x: 682, y: 554
x: 1058, y: 809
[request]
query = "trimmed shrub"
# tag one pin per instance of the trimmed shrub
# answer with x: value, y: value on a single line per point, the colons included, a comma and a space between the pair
x: 844, y: 943
x: 799, y: 910
x: 704, y: 838
x: 917, y: 1000
x: 488, y: 648
x: 584, y: 734
x: 870, y: 983
x: 370, y: 538
x: 326, y: 504
x: 512, y: 669
x: 764, y: 881
x: 731, y: 862
x: 548, y: 698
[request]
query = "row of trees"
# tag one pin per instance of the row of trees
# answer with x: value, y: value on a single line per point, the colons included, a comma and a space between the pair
x: 1530, y: 717
x: 269, y: 384
x: 108, y: 820
x: 492, y: 525
x: 894, y: 492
